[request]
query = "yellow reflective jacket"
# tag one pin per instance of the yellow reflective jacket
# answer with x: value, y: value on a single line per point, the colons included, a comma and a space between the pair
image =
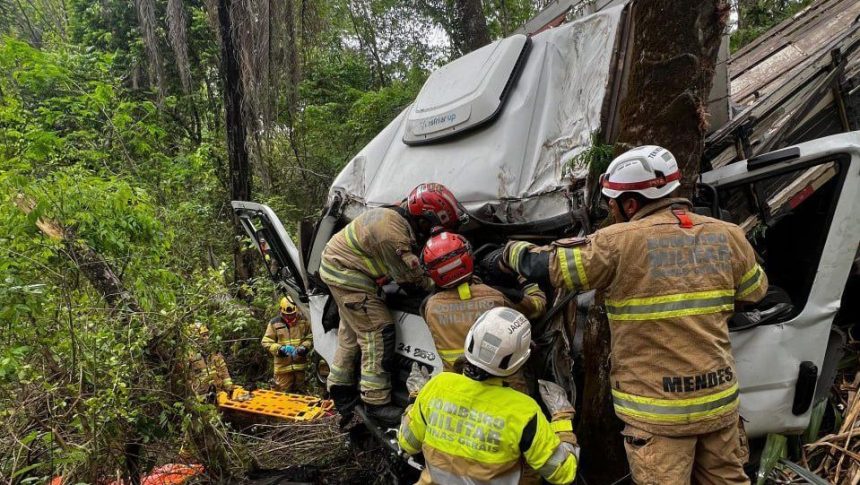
x: 477, y: 431
x: 378, y: 243
x: 278, y: 333
x: 208, y: 370
x: 671, y: 280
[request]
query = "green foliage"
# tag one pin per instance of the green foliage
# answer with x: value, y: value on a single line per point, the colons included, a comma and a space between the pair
x: 63, y: 108
x: 596, y: 157
x: 124, y: 180
x: 755, y: 17
x: 505, y: 16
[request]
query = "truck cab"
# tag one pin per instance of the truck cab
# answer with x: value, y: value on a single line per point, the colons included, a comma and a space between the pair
x: 506, y: 127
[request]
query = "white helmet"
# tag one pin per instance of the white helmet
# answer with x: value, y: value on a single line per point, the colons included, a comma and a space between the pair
x: 648, y: 170
x: 499, y: 341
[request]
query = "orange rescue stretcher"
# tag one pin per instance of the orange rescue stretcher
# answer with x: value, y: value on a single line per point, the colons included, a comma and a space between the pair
x: 290, y: 407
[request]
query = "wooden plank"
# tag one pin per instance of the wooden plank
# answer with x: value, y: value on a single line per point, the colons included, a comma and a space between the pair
x: 772, y: 71
x: 788, y: 193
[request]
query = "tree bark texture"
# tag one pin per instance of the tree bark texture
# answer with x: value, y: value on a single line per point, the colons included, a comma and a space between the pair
x: 472, y: 32
x: 147, y: 21
x: 675, y: 47
x: 235, y: 124
x: 673, y: 53
x: 177, y: 28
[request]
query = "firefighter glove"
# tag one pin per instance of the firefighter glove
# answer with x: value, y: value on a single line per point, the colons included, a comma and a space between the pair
x: 287, y: 351
x: 555, y: 398
x: 573, y: 449
x: 515, y: 295
x: 489, y: 268
x: 301, y: 351
x: 417, y: 378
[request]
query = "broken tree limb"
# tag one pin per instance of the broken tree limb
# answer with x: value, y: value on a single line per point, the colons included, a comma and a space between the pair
x: 96, y: 269
x: 160, y: 350
x: 102, y: 277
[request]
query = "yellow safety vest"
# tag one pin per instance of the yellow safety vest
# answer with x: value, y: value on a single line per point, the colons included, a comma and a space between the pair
x: 471, y: 430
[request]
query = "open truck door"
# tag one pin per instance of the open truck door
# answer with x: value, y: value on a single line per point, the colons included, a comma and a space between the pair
x: 286, y: 267
x: 282, y: 259
x: 800, y: 208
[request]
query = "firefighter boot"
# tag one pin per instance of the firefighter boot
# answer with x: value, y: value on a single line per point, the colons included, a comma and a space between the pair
x: 385, y: 415
x: 345, y: 398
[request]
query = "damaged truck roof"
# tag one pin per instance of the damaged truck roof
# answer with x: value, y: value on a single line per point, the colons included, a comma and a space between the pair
x: 507, y: 141
x: 514, y: 164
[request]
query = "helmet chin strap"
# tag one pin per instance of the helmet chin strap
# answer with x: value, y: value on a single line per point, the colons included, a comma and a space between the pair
x: 464, y: 291
x: 620, y: 209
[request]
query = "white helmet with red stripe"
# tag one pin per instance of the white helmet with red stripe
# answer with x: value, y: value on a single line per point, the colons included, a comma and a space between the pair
x: 648, y: 170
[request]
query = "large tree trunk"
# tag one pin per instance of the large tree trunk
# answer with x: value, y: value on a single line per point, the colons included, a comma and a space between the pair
x: 471, y: 25
x: 235, y: 123
x: 674, y: 50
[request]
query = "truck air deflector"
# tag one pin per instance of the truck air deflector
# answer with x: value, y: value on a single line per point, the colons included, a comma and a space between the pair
x: 466, y: 93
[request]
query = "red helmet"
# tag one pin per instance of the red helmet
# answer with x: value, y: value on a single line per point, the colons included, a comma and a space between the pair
x: 448, y: 259
x: 437, y: 204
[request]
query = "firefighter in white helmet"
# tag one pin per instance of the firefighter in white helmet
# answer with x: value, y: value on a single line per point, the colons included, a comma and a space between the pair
x: 473, y: 429
x: 671, y: 279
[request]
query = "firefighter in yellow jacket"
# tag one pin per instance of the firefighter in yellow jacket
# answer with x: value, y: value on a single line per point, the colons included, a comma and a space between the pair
x: 671, y: 280
x: 288, y: 338
x: 461, y: 297
x: 207, y: 369
x: 376, y: 246
x: 472, y: 429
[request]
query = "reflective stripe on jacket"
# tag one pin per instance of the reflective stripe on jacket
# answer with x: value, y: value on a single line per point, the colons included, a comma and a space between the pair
x: 472, y: 431
x: 669, y: 293
x: 278, y: 334
x: 208, y: 371
x: 450, y: 314
x: 378, y: 243
x: 533, y: 304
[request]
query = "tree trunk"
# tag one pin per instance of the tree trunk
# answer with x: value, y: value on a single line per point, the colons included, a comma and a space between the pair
x: 674, y: 50
x: 599, y: 431
x: 235, y: 124
x: 472, y: 32
x: 147, y: 21
x: 671, y: 77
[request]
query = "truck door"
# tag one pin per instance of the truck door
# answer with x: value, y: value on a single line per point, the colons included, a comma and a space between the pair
x: 281, y: 257
x: 800, y: 208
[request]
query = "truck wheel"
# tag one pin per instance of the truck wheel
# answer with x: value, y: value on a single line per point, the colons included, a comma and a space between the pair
x: 321, y: 370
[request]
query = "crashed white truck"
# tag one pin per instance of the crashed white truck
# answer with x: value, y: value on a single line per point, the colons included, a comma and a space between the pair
x: 503, y: 126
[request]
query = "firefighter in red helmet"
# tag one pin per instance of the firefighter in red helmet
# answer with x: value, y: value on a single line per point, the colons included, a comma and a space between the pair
x: 378, y: 246
x: 460, y: 296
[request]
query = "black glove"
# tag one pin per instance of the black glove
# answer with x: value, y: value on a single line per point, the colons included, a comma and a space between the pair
x: 489, y: 270
x: 515, y: 295
x: 301, y: 351
x: 412, y: 290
